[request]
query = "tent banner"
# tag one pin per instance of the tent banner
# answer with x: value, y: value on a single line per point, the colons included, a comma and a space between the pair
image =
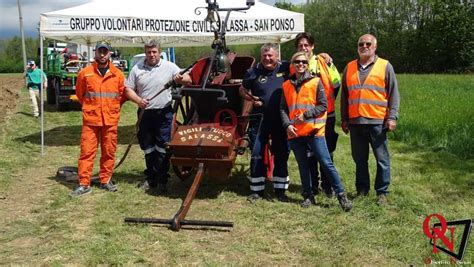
x: 178, y: 23
x: 167, y: 26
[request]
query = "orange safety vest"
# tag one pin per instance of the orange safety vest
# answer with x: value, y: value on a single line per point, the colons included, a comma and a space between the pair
x: 368, y: 100
x: 299, y: 102
x: 319, y: 63
x: 99, y: 96
x: 327, y: 84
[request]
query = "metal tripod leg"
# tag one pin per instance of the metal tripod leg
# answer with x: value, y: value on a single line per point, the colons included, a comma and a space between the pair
x: 178, y: 219
x: 183, y: 210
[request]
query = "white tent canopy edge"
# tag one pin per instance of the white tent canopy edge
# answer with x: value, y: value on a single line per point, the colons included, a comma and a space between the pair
x: 176, y: 23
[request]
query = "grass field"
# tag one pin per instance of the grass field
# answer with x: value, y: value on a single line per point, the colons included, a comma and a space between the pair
x: 41, y: 225
x: 437, y: 112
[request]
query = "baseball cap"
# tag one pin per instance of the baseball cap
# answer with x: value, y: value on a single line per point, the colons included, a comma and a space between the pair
x: 102, y: 44
x: 31, y: 62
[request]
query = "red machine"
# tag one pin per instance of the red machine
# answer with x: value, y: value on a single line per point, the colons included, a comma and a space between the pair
x: 210, y: 121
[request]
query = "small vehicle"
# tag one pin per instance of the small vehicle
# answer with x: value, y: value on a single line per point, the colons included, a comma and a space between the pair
x: 62, y: 70
x: 136, y: 58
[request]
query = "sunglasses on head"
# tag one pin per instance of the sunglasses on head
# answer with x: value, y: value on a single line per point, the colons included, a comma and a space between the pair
x: 296, y: 62
x: 368, y: 44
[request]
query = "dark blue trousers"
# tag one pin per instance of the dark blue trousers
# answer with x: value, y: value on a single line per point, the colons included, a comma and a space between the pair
x: 361, y: 136
x: 318, y: 145
x: 154, y: 134
x: 279, y: 148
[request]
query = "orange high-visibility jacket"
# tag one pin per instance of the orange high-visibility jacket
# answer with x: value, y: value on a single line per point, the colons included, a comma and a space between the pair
x: 327, y: 84
x: 299, y: 102
x: 318, y: 65
x: 99, y: 96
x: 370, y: 99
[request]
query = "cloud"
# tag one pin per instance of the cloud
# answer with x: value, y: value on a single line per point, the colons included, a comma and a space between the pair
x: 31, y: 10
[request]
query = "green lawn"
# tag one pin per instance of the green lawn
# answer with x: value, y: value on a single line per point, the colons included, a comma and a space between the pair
x: 437, y: 112
x: 41, y: 225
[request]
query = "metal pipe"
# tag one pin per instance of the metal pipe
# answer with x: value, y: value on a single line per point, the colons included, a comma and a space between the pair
x: 42, y: 89
x: 183, y: 222
x: 23, y: 47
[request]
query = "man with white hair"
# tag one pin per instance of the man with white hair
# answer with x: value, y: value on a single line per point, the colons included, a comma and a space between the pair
x: 369, y: 109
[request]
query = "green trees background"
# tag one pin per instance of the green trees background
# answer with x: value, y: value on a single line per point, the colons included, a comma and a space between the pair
x: 417, y: 36
x: 11, y: 59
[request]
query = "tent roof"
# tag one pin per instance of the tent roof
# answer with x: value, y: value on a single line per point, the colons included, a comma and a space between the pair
x: 129, y: 23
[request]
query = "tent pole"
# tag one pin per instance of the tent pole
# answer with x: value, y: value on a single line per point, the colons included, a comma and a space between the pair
x: 42, y: 96
x: 279, y: 50
x: 171, y: 54
x: 22, y: 38
x: 88, y: 41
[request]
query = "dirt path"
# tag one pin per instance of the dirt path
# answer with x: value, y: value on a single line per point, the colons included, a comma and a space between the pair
x: 10, y: 86
x: 19, y: 201
x: 9, y: 95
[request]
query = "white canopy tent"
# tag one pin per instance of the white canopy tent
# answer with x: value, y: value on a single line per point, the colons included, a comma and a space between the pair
x: 128, y: 23
x: 175, y: 23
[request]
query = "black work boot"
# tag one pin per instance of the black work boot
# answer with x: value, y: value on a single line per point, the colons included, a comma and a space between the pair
x: 255, y: 196
x: 345, y: 203
x: 328, y: 193
x: 161, y: 189
x: 280, y: 195
x: 316, y: 190
x: 308, y: 200
x: 145, y: 186
x: 362, y: 192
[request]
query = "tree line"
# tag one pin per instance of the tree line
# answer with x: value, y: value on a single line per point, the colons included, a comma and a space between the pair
x: 11, y: 56
x: 417, y: 36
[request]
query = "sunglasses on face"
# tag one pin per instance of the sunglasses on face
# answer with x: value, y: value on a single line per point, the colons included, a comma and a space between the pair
x: 296, y: 62
x: 368, y: 44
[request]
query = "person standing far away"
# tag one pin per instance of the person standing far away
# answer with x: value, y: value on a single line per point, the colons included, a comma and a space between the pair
x: 84, y: 58
x: 63, y: 57
x: 303, y: 108
x: 262, y: 84
x: 369, y: 109
x: 34, y: 75
x: 144, y: 81
x: 100, y: 91
x: 321, y: 66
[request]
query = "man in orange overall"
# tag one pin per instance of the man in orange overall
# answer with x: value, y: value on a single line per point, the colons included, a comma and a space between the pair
x: 100, y: 91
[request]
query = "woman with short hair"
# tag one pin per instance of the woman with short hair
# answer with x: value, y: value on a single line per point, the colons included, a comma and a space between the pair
x: 303, y: 111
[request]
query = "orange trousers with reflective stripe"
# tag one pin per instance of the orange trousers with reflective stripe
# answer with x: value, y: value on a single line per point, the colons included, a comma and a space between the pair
x: 91, y: 136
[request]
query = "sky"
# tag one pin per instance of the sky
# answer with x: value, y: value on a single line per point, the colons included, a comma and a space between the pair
x: 31, y: 10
